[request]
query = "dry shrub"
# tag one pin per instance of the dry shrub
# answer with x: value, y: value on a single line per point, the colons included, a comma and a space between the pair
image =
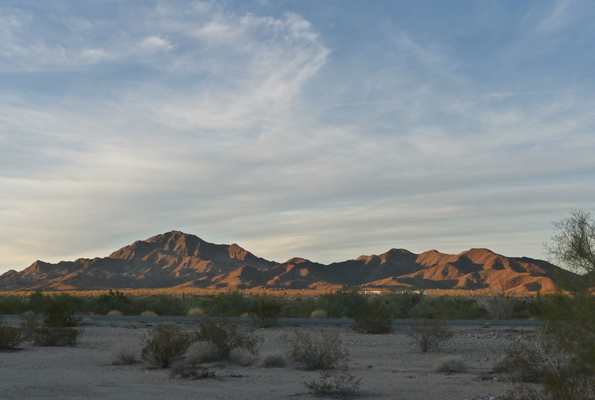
x: 318, y: 314
x: 86, y: 322
x: 323, y: 352
x: 122, y: 354
x: 56, y: 336
x: 196, y: 312
x: 10, y: 337
x: 428, y: 334
x: 274, y: 360
x: 149, y: 313
x: 336, y: 383
x: 114, y: 313
x: 226, y: 337
x: 166, y: 344
x: 242, y: 357
x: 188, y: 370
x: 450, y: 365
x: 202, y: 352
x: 30, y: 322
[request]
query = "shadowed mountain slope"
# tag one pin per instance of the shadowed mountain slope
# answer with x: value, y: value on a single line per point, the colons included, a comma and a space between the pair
x: 180, y: 260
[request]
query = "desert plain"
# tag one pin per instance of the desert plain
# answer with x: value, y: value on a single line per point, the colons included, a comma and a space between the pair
x: 389, y: 365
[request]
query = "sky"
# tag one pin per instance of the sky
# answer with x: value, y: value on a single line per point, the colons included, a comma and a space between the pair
x: 319, y: 129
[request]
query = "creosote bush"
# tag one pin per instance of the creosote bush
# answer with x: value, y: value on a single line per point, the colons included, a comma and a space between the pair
x: 335, y: 383
x: 10, y: 337
x: 30, y: 322
x: 226, y: 337
x: 265, y: 311
x: 56, y: 336
x: 324, y: 352
x: 450, y: 365
x: 122, y: 354
x: 166, y: 344
x: 373, y: 318
x: 428, y: 334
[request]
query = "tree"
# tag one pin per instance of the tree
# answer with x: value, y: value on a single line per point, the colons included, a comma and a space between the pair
x: 573, y: 247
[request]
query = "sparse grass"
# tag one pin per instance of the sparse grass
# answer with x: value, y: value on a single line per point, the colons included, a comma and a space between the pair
x: 324, y: 352
x: 335, y: 383
x: 196, y: 312
x: 122, y: 354
x: 10, y: 337
x: 429, y: 334
x: 450, y: 365
x: 165, y: 345
x: 149, y: 313
x: 274, y: 360
x: 318, y: 314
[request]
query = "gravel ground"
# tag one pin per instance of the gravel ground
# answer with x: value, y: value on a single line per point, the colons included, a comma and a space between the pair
x: 389, y: 365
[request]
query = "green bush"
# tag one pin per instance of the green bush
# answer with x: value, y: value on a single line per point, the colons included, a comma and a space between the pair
x: 30, y: 322
x: 226, y: 304
x: 226, y: 337
x: 401, y: 304
x: 10, y: 337
x: 343, y: 303
x: 56, y: 336
x: 59, y: 311
x: 160, y: 304
x: 113, y: 300
x: 373, y: 318
x: 265, y: 311
x: 166, y: 344
x: 12, y: 305
x: 300, y: 307
x: 324, y: 352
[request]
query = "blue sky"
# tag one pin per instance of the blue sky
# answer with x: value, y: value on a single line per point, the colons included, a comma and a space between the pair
x: 320, y: 129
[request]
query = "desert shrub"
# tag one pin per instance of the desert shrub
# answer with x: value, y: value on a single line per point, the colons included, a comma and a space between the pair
x: 165, y: 344
x: 450, y: 365
x: 335, y: 383
x: 122, y: 353
x: 428, y: 334
x: 86, y: 322
x: 401, y: 304
x: 30, y: 322
x: 265, y: 311
x: 56, y: 336
x: 186, y: 369
x: 226, y: 304
x: 12, y: 305
x: 195, y: 312
x: 226, y: 337
x: 242, y: 357
x: 448, y: 307
x: 274, y: 360
x: 149, y: 314
x: 318, y: 314
x: 59, y: 311
x: 114, y: 313
x: 342, y: 303
x: 373, y: 318
x: 323, y: 352
x: 203, y: 352
x: 300, y: 307
x: 10, y: 337
x: 112, y: 300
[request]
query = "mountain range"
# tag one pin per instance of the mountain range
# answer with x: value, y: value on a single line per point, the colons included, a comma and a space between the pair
x: 179, y: 260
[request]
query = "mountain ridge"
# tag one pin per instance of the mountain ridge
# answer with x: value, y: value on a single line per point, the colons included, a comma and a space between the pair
x: 179, y: 260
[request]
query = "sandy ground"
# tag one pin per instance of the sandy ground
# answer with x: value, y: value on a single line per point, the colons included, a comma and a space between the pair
x: 390, y: 368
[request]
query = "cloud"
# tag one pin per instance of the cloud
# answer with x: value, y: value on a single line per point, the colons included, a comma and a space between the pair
x: 155, y: 43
